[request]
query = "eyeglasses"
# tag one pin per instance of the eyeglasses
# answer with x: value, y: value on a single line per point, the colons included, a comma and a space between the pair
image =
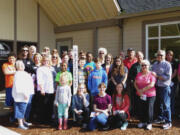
x: 101, y: 53
x: 24, y: 50
x: 160, y: 55
x: 144, y: 65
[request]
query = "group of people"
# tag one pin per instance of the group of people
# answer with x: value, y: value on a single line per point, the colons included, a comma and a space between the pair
x: 39, y: 87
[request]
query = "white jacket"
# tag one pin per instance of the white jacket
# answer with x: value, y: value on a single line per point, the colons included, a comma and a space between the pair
x: 22, y: 86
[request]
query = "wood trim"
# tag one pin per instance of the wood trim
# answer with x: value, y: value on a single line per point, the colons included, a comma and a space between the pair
x: 85, y: 26
x: 38, y: 27
x: 144, y: 23
x: 15, y: 28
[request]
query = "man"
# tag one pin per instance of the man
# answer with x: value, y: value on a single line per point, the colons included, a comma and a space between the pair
x: 25, y: 58
x: 163, y: 71
x: 131, y: 59
x: 134, y: 70
x: 9, y: 70
x: 174, y: 82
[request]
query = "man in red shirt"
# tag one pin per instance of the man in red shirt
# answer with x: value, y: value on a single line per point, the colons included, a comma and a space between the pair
x: 131, y: 59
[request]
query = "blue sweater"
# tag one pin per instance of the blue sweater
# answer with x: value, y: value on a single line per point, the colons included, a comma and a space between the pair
x: 94, y: 79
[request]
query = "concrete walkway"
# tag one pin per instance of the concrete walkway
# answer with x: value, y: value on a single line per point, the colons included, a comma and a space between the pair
x: 3, y: 109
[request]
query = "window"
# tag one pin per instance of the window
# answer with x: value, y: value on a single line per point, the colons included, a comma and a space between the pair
x: 63, y: 45
x: 164, y: 36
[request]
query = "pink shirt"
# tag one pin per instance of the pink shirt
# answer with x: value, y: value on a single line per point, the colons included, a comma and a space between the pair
x: 143, y: 81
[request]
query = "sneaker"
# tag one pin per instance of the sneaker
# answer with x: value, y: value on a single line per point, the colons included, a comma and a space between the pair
x: 141, y: 125
x: 23, y: 127
x: 84, y: 126
x: 167, y: 126
x: 27, y: 124
x: 159, y: 121
x: 124, y: 126
x: 149, y: 126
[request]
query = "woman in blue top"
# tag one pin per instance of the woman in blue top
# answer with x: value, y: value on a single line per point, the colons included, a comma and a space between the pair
x: 80, y: 105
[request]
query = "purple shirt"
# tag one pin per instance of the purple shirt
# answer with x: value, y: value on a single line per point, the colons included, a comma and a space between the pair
x: 102, y: 102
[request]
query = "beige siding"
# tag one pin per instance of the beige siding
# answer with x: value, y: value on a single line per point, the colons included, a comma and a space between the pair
x: 84, y: 39
x: 27, y: 20
x: 7, y: 19
x: 47, y: 36
x: 110, y: 38
x: 133, y: 29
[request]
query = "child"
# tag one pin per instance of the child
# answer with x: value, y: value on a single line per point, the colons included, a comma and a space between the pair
x: 80, y: 105
x: 63, y: 101
x: 82, y: 72
x: 102, y: 109
x: 96, y: 77
x: 90, y: 65
x: 120, y: 107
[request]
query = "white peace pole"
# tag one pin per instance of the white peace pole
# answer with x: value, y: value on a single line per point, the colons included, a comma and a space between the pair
x: 75, y: 69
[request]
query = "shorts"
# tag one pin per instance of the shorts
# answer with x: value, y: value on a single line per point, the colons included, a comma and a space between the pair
x: 9, y: 99
x: 19, y: 110
x: 63, y: 111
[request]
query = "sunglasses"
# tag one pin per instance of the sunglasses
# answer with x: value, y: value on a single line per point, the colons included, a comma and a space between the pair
x: 54, y: 57
x: 101, y: 53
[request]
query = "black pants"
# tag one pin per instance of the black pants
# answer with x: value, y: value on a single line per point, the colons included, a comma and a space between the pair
x: 116, y: 121
x: 84, y: 116
x: 146, y: 109
x: 46, y: 107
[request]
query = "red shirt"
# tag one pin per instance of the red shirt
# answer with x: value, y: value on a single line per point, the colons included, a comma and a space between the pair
x: 128, y: 63
x: 122, y: 104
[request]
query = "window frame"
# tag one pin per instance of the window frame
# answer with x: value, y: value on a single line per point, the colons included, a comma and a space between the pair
x: 159, y: 37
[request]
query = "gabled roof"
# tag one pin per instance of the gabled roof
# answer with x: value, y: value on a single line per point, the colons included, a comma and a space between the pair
x: 136, y: 6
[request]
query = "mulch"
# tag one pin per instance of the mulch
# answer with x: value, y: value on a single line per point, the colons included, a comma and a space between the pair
x: 42, y: 129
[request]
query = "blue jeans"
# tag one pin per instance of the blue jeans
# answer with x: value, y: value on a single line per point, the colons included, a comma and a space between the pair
x: 28, y: 108
x: 173, y: 94
x: 164, y: 103
x: 101, y: 118
x: 19, y: 110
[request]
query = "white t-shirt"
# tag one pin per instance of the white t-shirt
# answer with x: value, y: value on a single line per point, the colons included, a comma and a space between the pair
x: 45, y: 79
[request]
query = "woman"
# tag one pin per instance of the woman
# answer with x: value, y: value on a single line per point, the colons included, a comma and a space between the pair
x: 108, y: 63
x: 120, y: 107
x: 101, y: 55
x: 145, y: 89
x: 22, y: 89
x: 56, y: 60
x: 46, y: 86
x: 35, y: 100
x: 118, y: 75
x: 102, y: 109
x: 80, y: 106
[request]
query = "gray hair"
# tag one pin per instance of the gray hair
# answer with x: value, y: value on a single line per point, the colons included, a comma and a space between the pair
x: 20, y: 64
x: 103, y: 50
x: 146, y: 62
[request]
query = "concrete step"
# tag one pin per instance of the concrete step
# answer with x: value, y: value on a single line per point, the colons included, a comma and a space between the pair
x: 6, y: 131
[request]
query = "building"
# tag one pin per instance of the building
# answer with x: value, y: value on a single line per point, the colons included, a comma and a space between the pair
x: 146, y: 25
